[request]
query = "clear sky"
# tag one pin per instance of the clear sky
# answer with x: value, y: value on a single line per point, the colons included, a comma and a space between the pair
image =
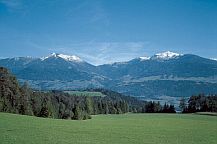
x: 103, y: 31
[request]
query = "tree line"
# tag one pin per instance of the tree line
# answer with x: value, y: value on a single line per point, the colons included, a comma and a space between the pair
x: 199, y: 103
x: 57, y: 104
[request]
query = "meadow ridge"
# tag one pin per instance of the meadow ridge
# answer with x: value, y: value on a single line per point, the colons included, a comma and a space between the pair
x: 84, y: 93
x: 110, y: 129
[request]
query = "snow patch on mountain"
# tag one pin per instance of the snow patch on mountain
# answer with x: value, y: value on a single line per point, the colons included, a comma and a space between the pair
x: 144, y: 58
x: 70, y: 58
x: 51, y: 55
x: 65, y: 57
x: 214, y: 59
x: 166, y: 55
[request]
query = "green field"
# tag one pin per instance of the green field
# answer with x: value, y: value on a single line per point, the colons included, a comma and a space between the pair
x: 84, y: 93
x: 110, y: 129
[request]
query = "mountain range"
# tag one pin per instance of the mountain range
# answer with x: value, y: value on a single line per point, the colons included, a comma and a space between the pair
x: 163, y: 74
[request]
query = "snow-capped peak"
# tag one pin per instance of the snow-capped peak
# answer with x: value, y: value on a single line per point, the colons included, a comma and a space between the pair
x: 214, y: 59
x: 65, y: 57
x: 53, y: 55
x: 166, y: 55
x: 70, y: 58
x: 144, y: 58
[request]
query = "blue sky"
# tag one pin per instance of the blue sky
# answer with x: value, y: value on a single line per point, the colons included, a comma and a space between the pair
x: 103, y: 31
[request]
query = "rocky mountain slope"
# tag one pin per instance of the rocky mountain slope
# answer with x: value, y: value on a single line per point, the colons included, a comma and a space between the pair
x: 163, y: 74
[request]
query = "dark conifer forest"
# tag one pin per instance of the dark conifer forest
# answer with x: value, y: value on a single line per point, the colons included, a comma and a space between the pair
x: 199, y: 103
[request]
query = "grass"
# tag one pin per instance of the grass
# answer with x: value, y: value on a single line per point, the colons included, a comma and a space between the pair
x: 85, y: 93
x: 207, y: 113
x: 110, y: 129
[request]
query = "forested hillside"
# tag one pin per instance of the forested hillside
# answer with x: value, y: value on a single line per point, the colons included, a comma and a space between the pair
x: 54, y: 104
x: 57, y: 104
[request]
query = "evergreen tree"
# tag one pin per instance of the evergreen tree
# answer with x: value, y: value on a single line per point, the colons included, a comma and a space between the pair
x: 77, y: 113
x: 89, y: 105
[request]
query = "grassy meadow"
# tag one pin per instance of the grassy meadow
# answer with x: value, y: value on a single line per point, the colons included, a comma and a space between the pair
x: 110, y: 129
x: 85, y: 93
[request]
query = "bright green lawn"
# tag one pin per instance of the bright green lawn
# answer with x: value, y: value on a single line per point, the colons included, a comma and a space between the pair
x: 110, y: 129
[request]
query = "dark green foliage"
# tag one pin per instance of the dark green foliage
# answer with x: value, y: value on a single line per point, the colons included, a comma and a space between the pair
x: 153, y: 107
x: 89, y: 105
x: 57, y: 104
x: 168, y: 109
x: 77, y: 113
x: 10, y: 94
x: 44, y: 112
x: 201, y: 103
